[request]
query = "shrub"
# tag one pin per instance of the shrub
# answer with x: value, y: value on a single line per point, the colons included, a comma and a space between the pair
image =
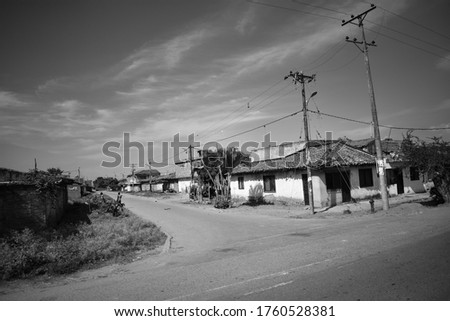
x: 76, y: 245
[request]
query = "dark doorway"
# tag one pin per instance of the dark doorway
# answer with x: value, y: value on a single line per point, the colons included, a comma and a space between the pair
x: 400, y: 185
x: 346, y: 195
x: 338, y: 181
x: 395, y: 176
x: 305, y: 188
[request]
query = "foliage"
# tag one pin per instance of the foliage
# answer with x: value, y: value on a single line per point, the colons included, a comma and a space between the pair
x: 55, y: 171
x: 430, y: 158
x: 73, y: 246
x: 105, y: 182
x: 215, y: 172
x: 44, y: 181
x: 255, y: 196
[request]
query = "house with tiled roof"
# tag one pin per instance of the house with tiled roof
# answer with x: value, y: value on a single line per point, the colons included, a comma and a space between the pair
x: 400, y: 179
x: 340, y: 173
x: 175, y: 177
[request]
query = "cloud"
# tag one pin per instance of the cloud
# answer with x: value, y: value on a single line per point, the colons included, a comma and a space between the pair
x: 444, y: 63
x: 165, y: 56
x: 245, y: 25
x: 9, y: 99
x: 444, y: 105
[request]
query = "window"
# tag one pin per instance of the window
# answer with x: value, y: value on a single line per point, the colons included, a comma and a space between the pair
x: 414, y: 173
x: 333, y: 180
x: 269, y: 184
x: 241, y: 182
x: 365, y: 177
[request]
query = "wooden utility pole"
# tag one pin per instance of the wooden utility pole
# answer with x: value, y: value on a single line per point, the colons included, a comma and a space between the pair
x: 299, y: 77
x: 190, y: 162
x: 379, y: 154
x: 150, y: 175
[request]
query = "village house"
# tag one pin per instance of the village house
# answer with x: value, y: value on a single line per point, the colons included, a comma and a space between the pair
x: 340, y: 173
x: 177, y: 179
x: 400, y: 179
x: 139, y: 181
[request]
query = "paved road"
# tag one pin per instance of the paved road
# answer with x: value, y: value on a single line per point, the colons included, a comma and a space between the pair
x: 217, y: 255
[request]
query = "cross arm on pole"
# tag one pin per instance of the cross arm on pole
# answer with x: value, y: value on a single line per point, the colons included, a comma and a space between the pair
x: 360, y: 17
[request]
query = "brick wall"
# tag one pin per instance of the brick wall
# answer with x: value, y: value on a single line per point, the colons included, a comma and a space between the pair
x: 22, y: 206
x: 8, y: 175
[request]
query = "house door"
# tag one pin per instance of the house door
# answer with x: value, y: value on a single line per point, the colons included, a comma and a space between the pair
x: 305, y: 188
x: 400, y: 185
x: 395, y: 176
x: 345, y: 183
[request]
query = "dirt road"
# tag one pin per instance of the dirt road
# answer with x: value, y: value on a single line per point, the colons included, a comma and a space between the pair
x: 220, y: 255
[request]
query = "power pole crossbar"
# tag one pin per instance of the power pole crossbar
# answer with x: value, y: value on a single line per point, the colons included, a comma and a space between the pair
x: 379, y: 154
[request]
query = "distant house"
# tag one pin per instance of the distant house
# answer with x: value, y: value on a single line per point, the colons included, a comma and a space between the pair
x: 400, y: 179
x: 139, y: 181
x: 340, y: 173
x: 176, y: 179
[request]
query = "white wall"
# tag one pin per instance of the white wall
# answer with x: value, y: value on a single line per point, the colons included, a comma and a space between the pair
x: 183, y: 185
x: 288, y: 184
x: 358, y: 192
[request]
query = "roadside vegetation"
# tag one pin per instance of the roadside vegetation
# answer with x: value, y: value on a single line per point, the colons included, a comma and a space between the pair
x: 89, y: 237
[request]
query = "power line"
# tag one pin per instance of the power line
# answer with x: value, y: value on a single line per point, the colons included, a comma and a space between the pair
x: 407, y: 35
x: 376, y: 32
x: 261, y: 126
x: 231, y: 123
x: 384, y: 126
x: 329, y: 58
x: 415, y: 23
x: 410, y: 45
x: 239, y: 108
x: 319, y: 7
x: 292, y: 9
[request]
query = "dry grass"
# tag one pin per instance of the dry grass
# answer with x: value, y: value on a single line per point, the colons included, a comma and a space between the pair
x: 77, y: 245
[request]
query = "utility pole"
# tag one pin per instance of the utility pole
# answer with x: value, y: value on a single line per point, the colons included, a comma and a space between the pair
x: 299, y: 77
x: 379, y: 154
x: 190, y: 161
x: 150, y: 175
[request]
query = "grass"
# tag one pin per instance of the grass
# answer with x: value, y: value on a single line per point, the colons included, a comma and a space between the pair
x: 89, y: 240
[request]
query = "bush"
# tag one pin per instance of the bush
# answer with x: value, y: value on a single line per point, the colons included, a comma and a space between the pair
x: 76, y: 245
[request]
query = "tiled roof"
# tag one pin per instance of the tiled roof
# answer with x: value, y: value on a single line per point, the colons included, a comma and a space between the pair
x: 146, y: 172
x: 183, y: 171
x: 332, y: 154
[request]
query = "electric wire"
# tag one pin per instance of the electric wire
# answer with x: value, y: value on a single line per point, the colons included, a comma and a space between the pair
x: 384, y: 126
x: 247, y: 110
x: 292, y: 9
x: 269, y: 103
x: 204, y: 132
x: 413, y: 22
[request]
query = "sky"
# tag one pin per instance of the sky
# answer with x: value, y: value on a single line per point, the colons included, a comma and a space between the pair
x: 79, y: 78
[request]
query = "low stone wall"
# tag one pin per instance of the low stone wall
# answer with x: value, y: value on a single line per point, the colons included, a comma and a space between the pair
x: 22, y: 206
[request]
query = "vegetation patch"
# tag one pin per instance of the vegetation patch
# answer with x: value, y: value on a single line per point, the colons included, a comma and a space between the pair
x: 78, y: 244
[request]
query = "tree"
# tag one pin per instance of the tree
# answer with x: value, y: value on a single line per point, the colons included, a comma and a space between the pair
x: 215, y: 172
x: 430, y: 158
x: 103, y: 183
x: 55, y: 171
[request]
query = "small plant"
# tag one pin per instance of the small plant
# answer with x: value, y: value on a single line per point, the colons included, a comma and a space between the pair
x: 222, y: 202
x: 255, y: 196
